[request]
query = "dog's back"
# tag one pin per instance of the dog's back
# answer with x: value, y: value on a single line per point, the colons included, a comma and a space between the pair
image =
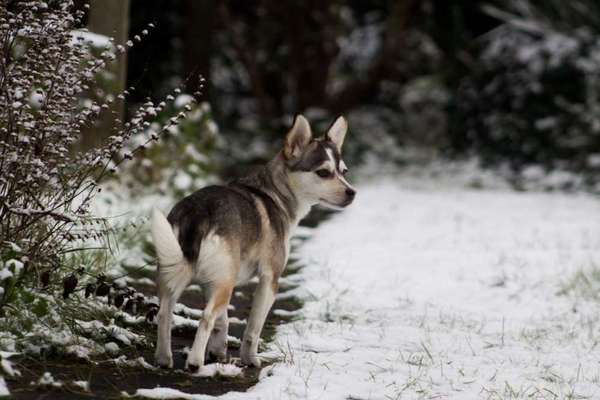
x: 221, y: 236
x: 219, y: 210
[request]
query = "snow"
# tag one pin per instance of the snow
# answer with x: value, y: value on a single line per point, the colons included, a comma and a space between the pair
x: 181, y: 100
x: 16, y: 265
x: 218, y: 369
x: 429, y: 291
x: 209, y: 370
x: 7, y: 367
x: 112, y: 348
x: 83, y: 385
x: 3, y: 387
x: 138, y: 362
x: 48, y: 380
x: 79, y: 351
x: 5, y: 274
x: 167, y: 393
x: 94, y: 39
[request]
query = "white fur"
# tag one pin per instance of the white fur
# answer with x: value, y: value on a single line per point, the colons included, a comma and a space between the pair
x: 331, y: 160
x: 218, y: 266
x: 174, y: 271
x: 214, y: 255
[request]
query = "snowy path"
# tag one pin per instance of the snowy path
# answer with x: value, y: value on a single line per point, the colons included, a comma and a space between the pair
x: 446, y: 294
x: 441, y: 293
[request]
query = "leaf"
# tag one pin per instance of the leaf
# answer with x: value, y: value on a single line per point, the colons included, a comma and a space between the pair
x: 45, y: 279
x: 103, y: 289
x: 151, y: 314
x: 40, y: 308
x: 119, y: 300
x: 69, y: 285
x: 27, y: 297
x: 90, y: 289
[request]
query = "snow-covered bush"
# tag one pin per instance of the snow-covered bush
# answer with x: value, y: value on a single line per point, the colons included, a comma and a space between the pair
x: 46, y: 184
x: 192, y: 140
x: 534, y: 95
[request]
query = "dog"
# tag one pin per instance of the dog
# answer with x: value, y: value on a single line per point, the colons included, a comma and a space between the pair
x: 222, y: 236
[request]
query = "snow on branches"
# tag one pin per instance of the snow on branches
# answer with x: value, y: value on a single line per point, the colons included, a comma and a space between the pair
x: 46, y: 184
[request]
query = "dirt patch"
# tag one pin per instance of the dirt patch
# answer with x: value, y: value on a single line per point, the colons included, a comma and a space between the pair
x: 109, y: 381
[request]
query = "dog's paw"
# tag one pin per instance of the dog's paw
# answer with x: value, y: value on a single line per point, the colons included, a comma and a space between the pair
x: 194, y: 362
x: 193, y: 368
x: 164, y: 360
x: 218, y: 355
x: 217, y: 348
x: 250, y: 359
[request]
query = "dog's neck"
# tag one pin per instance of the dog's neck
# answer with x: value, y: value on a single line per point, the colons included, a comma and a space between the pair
x: 273, y: 179
x: 284, y: 191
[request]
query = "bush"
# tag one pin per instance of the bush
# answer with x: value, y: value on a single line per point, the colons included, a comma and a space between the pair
x: 534, y: 95
x: 47, y: 71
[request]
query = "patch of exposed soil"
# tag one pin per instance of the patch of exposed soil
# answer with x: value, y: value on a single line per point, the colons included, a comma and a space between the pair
x: 109, y: 381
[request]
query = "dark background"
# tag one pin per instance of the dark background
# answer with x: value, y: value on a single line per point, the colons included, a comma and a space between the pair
x: 512, y: 82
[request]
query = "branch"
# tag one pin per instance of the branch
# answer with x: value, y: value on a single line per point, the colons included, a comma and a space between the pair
x: 31, y: 211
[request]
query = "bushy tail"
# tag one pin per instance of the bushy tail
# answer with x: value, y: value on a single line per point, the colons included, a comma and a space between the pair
x: 174, y: 272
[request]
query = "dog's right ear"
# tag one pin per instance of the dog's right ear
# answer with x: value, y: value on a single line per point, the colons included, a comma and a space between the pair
x: 297, y: 138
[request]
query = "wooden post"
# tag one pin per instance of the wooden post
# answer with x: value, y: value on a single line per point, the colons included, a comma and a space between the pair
x: 110, y: 18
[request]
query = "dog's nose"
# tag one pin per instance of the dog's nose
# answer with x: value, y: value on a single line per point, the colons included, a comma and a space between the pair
x: 350, y: 192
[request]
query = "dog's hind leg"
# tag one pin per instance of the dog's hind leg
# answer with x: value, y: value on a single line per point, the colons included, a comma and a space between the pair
x: 220, y: 294
x: 174, y: 274
x: 168, y: 298
x: 264, y: 298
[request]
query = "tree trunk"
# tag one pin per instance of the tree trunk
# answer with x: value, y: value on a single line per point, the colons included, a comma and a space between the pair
x: 197, y: 42
x: 110, y: 18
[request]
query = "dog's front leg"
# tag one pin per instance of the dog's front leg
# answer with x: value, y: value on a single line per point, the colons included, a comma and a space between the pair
x: 261, y: 304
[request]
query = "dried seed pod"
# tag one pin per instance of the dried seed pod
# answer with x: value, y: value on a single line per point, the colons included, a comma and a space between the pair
x: 103, y: 289
x: 69, y: 285
x: 119, y: 299
x: 45, y: 279
x: 131, y: 306
x: 151, y: 314
x: 90, y: 289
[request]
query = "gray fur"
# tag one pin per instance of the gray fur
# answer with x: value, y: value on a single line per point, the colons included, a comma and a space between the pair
x: 222, y: 235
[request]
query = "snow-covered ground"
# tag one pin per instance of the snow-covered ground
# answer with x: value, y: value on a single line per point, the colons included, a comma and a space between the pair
x: 429, y: 292
x: 426, y: 291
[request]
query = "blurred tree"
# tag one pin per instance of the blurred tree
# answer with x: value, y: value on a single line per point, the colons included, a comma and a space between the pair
x: 198, y: 25
x: 110, y: 18
x: 533, y: 95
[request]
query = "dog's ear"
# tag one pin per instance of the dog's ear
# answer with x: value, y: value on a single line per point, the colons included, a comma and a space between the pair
x: 337, y: 132
x: 297, y: 138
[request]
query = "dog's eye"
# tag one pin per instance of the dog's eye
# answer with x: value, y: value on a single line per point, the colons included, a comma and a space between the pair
x: 323, y: 173
x: 344, y: 172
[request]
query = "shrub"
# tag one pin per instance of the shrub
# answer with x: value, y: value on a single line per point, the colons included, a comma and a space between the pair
x: 46, y: 185
x: 534, y: 95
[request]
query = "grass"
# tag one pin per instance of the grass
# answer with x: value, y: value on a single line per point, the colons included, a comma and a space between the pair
x: 584, y: 283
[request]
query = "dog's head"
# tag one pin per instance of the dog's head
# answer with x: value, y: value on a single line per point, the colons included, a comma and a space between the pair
x: 315, y: 166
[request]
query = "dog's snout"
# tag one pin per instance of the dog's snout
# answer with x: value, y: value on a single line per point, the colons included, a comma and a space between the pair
x: 350, y: 192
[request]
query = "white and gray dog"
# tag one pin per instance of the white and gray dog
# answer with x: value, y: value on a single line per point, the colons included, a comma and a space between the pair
x: 222, y: 236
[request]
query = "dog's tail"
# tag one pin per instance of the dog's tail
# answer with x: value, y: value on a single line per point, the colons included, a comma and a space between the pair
x: 174, y: 271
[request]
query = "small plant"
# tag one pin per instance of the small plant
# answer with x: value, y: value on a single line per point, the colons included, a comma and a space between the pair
x: 584, y: 283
